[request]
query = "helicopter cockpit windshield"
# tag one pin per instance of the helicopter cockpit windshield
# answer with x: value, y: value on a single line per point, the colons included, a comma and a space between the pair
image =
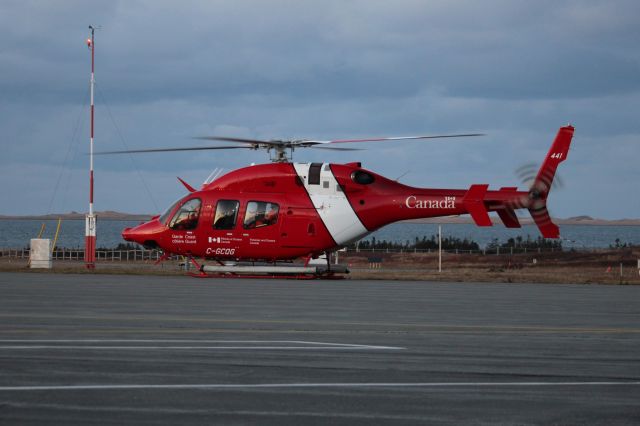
x: 164, y: 217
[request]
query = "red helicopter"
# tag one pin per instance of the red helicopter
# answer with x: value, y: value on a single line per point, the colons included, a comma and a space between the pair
x: 255, y: 219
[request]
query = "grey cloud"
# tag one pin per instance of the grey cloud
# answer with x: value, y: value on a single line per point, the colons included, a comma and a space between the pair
x: 516, y: 70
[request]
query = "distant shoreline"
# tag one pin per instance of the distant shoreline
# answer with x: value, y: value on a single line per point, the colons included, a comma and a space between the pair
x: 108, y: 215
x: 118, y: 216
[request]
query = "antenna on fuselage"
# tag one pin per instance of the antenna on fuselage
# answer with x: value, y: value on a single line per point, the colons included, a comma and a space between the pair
x: 405, y: 173
x: 215, y: 174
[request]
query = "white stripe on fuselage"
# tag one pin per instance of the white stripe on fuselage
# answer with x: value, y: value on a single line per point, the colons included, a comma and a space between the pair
x: 332, y: 205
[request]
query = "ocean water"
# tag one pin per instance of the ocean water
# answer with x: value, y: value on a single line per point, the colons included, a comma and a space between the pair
x: 17, y: 233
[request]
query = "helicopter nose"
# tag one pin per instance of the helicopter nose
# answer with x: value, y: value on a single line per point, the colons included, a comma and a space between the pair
x: 145, y: 234
x: 130, y: 234
x: 127, y: 235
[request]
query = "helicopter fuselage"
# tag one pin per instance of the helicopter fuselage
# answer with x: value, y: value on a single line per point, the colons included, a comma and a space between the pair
x: 319, y: 207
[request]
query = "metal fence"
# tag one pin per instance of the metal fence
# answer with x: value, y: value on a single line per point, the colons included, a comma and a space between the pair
x: 116, y: 255
x: 109, y: 255
x: 486, y: 251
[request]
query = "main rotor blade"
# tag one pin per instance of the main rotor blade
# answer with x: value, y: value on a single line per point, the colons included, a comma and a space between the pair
x: 195, y: 148
x: 398, y: 138
x: 241, y: 140
x: 333, y: 148
x: 304, y: 143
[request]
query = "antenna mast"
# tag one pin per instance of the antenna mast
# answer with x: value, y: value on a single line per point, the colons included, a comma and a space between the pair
x: 90, y: 220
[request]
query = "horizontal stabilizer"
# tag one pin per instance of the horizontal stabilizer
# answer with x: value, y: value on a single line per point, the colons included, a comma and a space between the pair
x: 507, y: 213
x: 473, y: 202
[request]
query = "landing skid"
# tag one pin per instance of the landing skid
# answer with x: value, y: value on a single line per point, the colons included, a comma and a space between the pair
x: 295, y: 271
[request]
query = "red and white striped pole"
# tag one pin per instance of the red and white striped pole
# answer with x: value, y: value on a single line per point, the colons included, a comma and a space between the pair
x: 90, y: 220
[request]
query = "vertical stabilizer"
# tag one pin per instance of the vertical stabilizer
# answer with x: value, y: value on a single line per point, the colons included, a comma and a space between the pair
x: 537, y: 203
x: 556, y: 155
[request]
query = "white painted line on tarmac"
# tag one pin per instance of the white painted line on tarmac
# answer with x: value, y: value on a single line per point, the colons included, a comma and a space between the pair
x: 166, y: 341
x: 279, y: 348
x: 351, y: 345
x: 173, y: 344
x: 216, y: 386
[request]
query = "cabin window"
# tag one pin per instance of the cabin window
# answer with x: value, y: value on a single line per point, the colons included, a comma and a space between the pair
x: 363, y: 178
x: 226, y: 214
x: 260, y: 213
x: 314, y: 173
x: 187, y: 216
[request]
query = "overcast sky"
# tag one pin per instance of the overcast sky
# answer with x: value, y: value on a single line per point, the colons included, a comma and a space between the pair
x: 167, y: 71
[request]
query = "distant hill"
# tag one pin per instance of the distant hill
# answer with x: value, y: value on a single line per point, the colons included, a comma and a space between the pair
x: 105, y: 215
x: 579, y: 218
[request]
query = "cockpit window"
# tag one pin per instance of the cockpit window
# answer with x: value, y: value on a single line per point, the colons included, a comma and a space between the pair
x: 186, y: 217
x: 226, y: 214
x: 363, y: 178
x: 164, y: 218
x: 260, y: 213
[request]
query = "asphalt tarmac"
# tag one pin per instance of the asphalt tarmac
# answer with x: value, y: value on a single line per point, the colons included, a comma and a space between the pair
x: 109, y: 349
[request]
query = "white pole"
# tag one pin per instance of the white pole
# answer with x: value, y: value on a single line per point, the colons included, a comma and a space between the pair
x: 439, y: 248
x: 93, y: 82
x: 90, y: 219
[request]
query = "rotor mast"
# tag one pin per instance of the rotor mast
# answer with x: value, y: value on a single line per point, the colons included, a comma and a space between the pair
x: 90, y: 219
x: 281, y: 154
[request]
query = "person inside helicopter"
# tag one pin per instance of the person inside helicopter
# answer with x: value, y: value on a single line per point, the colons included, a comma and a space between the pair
x: 226, y: 214
x: 186, y: 218
x: 271, y: 216
x: 259, y: 214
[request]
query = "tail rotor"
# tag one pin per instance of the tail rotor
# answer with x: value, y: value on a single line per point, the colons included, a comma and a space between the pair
x: 528, y: 172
